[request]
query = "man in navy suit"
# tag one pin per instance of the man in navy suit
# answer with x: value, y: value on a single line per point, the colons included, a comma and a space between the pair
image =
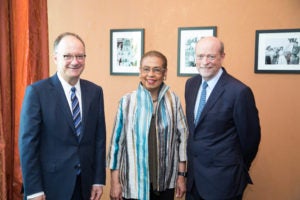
x: 224, y: 139
x: 61, y: 160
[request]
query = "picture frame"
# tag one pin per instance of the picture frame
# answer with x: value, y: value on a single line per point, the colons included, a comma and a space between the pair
x: 277, y: 51
x: 126, y: 50
x: 187, y: 39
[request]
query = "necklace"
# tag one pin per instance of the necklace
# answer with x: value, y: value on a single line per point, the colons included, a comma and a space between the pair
x: 154, y: 100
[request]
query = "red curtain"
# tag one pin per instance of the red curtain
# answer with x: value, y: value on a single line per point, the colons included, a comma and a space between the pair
x: 5, y: 99
x: 23, y: 60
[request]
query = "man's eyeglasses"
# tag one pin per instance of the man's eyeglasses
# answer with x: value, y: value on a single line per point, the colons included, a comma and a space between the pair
x: 208, y: 57
x: 155, y: 70
x: 79, y: 57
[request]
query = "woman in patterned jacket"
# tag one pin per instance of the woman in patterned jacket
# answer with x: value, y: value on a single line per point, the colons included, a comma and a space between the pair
x: 147, y: 154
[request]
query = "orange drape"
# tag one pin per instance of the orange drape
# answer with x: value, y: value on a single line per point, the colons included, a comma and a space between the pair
x: 24, y: 59
x: 5, y: 99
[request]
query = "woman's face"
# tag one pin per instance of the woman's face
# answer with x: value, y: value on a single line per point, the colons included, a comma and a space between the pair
x: 152, y: 73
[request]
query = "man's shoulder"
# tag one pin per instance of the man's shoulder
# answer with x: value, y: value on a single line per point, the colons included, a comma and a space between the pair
x: 192, y: 84
x: 41, y: 83
x: 194, y: 79
x: 234, y: 83
x: 232, y: 79
x: 89, y: 84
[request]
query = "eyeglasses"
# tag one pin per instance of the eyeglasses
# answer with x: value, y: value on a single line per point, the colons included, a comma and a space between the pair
x: 208, y: 57
x: 79, y: 57
x: 155, y: 70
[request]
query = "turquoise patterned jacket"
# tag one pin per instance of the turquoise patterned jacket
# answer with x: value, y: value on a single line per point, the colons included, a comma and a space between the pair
x: 128, y: 150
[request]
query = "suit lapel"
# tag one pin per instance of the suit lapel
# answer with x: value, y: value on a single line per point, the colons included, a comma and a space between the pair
x: 85, y: 105
x: 193, y: 93
x: 214, y: 96
x: 62, y: 101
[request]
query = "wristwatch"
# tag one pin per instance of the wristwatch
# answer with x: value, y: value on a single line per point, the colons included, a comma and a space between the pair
x: 184, y: 174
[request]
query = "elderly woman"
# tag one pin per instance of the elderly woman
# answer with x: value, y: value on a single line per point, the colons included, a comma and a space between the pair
x: 147, y: 154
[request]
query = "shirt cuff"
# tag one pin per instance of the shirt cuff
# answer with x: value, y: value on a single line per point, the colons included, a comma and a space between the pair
x: 35, y: 195
x: 98, y: 185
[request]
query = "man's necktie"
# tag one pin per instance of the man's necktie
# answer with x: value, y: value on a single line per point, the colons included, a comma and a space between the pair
x: 76, y: 112
x: 202, y: 102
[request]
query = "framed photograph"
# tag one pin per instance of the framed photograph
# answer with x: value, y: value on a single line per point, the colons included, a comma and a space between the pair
x: 187, y: 39
x: 277, y: 51
x: 126, y: 50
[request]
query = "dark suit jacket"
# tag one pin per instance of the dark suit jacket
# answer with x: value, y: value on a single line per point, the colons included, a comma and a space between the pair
x: 49, y: 149
x: 225, y: 141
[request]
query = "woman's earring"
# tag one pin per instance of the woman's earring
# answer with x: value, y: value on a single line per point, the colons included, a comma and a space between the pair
x: 165, y: 78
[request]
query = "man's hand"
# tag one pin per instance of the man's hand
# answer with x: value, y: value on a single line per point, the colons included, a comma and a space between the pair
x: 97, y: 192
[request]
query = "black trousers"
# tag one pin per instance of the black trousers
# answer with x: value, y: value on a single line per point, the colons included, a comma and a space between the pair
x: 194, y: 195
x: 164, y: 195
x: 77, y: 194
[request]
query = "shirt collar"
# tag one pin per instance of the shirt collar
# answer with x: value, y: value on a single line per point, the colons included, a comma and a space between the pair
x: 66, y: 86
x: 212, y: 82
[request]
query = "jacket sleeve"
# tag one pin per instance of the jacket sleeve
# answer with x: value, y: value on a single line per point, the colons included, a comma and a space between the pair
x: 100, y: 143
x: 117, y: 141
x: 248, y: 126
x: 29, y: 141
x: 182, y: 130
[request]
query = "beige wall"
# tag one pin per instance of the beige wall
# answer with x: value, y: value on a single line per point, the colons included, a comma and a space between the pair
x: 276, y: 170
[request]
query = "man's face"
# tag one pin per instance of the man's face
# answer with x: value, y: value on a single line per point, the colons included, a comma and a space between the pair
x: 152, y: 73
x: 208, y: 57
x: 70, y: 59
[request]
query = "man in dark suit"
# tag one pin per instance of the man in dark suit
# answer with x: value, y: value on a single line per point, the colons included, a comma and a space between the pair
x: 225, y: 135
x: 62, y: 130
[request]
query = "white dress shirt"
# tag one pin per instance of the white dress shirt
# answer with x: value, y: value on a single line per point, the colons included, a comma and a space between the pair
x: 210, y: 86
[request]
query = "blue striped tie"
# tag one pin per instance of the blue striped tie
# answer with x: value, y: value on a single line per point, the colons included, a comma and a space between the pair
x: 202, y: 102
x: 76, y: 112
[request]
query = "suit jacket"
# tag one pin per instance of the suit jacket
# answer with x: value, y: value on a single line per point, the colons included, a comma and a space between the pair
x: 49, y: 148
x: 225, y: 141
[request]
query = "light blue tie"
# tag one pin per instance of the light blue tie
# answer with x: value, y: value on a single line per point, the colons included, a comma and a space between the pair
x: 202, y: 102
x: 76, y: 112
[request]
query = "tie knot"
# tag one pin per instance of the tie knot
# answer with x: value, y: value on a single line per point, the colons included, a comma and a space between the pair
x: 204, y: 85
x: 73, y: 89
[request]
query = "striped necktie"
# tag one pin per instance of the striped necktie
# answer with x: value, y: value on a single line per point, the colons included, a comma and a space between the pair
x: 202, y: 101
x: 76, y: 112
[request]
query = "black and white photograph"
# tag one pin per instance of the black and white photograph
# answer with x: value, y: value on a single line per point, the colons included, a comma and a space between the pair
x: 277, y: 51
x: 187, y: 40
x: 127, y: 47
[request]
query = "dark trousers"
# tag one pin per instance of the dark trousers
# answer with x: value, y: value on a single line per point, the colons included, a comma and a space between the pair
x: 77, y: 194
x: 164, y: 195
x: 194, y: 195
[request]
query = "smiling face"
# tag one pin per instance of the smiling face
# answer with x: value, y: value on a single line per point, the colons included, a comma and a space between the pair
x: 209, y: 57
x: 70, y: 58
x: 152, y: 73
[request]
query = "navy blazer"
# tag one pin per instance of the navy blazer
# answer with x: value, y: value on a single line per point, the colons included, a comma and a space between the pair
x: 49, y: 148
x: 225, y: 141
